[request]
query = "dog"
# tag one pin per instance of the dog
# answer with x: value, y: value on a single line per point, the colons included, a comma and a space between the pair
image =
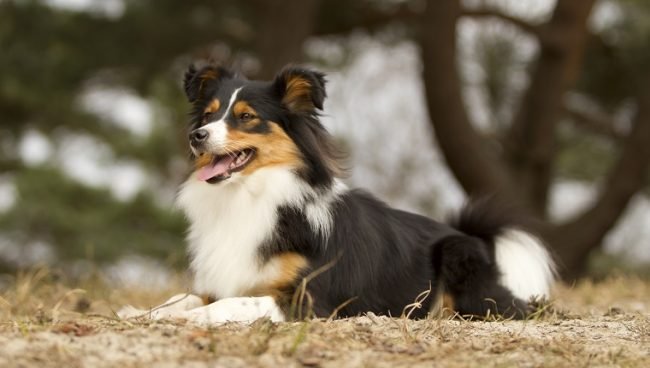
x: 275, y: 233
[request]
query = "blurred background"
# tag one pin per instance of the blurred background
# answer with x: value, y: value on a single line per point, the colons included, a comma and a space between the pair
x: 545, y: 103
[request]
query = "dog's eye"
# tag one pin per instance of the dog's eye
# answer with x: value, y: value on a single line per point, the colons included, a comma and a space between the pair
x: 246, y: 116
x: 205, y: 116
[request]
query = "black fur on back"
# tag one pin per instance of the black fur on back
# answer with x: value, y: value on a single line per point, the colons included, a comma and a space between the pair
x: 383, y: 258
x: 486, y: 218
x: 380, y: 257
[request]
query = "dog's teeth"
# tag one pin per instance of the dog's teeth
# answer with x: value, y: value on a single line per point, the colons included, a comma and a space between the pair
x: 240, y: 158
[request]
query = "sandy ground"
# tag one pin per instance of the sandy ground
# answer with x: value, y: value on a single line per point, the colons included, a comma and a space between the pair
x: 45, y: 323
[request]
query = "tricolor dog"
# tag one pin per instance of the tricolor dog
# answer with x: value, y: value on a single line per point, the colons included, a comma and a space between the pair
x: 274, y: 232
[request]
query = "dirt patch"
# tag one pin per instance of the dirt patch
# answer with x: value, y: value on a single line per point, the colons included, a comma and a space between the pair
x: 590, y: 324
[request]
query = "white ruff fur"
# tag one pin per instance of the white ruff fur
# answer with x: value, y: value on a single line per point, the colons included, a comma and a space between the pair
x: 527, y: 269
x: 231, y: 220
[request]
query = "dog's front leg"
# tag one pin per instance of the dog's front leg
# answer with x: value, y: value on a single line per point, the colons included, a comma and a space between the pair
x: 170, y: 309
x: 239, y: 309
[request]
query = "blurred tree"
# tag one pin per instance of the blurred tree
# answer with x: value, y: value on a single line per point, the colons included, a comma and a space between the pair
x: 50, y: 57
x: 92, y: 223
x: 523, y: 168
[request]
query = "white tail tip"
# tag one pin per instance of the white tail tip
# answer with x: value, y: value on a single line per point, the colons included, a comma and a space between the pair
x: 526, y: 266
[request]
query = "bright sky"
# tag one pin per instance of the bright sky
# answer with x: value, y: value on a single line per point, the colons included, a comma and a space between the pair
x: 110, y: 8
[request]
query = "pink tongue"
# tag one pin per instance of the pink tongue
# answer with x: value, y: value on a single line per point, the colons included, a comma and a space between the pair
x: 219, y: 168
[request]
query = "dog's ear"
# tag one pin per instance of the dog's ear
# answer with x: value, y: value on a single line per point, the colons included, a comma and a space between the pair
x: 196, y: 80
x: 302, y: 91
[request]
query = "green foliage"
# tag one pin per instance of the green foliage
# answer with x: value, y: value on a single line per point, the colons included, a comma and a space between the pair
x: 618, y: 56
x: 49, y: 58
x: 497, y: 57
x: 601, y: 265
x: 85, y: 222
x: 583, y: 156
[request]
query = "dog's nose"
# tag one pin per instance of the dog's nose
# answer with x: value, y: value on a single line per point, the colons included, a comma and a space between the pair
x: 198, y: 136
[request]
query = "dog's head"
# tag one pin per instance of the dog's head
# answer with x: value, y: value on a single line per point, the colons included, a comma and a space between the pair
x: 240, y: 126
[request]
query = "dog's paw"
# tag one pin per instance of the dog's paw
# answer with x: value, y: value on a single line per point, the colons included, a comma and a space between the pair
x: 237, y: 309
x: 171, y: 309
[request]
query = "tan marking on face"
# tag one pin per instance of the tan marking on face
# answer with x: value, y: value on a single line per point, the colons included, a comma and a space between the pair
x: 274, y: 148
x: 243, y: 107
x: 297, y: 97
x: 202, y: 160
x: 289, y: 266
x: 212, y: 107
x: 210, y: 74
x: 206, y: 76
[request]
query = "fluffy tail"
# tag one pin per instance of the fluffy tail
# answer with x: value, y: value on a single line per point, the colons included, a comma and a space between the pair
x: 525, y: 266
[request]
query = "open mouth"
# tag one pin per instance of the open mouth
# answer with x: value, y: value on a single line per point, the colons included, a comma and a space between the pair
x: 222, y: 166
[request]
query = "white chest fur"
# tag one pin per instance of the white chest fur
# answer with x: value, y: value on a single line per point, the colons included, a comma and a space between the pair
x: 231, y: 220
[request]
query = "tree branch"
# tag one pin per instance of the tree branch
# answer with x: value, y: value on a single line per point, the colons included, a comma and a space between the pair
x: 367, y: 17
x: 532, y: 29
x: 574, y: 240
x: 8, y: 165
x: 291, y: 21
x: 598, y: 125
x: 530, y: 145
x: 467, y: 153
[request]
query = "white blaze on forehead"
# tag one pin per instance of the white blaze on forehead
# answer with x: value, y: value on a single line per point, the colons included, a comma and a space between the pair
x: 233, y: 97
x: 217, y: 129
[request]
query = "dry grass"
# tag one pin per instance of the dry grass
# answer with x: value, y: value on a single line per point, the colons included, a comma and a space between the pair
x: 45, y: 322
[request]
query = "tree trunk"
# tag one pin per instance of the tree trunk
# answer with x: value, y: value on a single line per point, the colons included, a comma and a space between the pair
x: 283, y: 28
x: 574, y: 240
x: 471, y: 159
x: 530, y: 147
x: 525, y: 173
